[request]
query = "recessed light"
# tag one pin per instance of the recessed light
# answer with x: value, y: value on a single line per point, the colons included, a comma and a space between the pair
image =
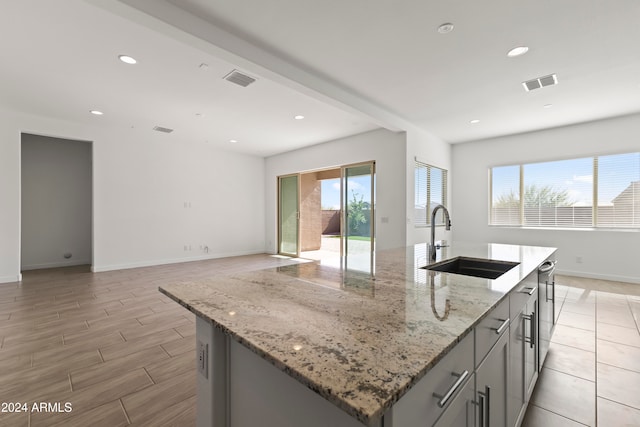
x: 127, y: 59
x: 96, y: 112
x: 547, y: 105
x: 474, y: 121
x: 298, y: 117
x: 297, y: 347
x: 445, y: 28
x: 517, y: 51
x: 233, y: 141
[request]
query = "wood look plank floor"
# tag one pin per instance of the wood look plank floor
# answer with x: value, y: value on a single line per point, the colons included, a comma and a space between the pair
x: 123, y: 354
x: 109, y: 343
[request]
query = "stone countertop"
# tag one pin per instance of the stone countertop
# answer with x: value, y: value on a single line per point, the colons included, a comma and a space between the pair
x: 360, y: 342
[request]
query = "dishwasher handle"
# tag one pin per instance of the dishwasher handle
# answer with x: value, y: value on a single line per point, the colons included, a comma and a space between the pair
x: 547, y: 267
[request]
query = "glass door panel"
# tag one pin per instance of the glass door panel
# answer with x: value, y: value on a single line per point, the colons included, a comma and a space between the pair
x: 358, y: 216
x: 288, y: 216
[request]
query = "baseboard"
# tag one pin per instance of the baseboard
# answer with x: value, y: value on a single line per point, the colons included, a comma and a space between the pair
x: 589, y: 275
x: 151, y: 263
x: 11, y: 279
x: 55, y: 265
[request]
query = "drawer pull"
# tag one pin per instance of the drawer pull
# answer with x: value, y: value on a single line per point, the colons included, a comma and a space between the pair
x: 505, y: 323
x: 445, y: 399
x: 529, y: 291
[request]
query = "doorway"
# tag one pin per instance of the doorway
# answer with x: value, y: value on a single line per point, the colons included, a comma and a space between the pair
x: 56, y: 202
x: 328, y: 215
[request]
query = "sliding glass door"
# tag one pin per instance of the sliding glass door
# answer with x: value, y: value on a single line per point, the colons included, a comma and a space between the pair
x: 288, y: 215
x: 358, y: 207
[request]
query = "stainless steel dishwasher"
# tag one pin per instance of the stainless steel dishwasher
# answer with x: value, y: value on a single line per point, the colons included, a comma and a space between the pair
x: 546, y: 308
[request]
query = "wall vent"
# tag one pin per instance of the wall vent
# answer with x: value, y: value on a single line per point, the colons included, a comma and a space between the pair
x: 239, y: 78
x: 549, y: 80
x: 161, y: 129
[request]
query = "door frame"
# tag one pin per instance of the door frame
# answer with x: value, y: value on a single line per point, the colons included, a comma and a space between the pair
x: 279, y: 216
x: 343, y: 210
x: 344, y: 203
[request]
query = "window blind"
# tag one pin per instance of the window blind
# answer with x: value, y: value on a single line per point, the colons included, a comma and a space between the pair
x: 618, y: 190
x: 430, y: 191
x: 600, y: 191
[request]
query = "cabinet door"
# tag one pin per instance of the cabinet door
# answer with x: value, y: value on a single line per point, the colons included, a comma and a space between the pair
x: 460, y: 413
x: 491, y: 386
x: 546, y: 316
x: 517, y: 394
x: 531, y: 346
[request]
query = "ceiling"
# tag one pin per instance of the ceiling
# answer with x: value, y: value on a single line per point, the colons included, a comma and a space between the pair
x: 347, y: 66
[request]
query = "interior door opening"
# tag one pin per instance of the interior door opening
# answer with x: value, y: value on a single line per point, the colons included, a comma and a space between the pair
x: 56, y: 212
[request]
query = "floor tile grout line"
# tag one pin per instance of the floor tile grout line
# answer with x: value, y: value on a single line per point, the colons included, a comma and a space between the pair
x: 619, y: 367
x: 559, y: 415
x: 126, y: 415
x: 567, y: 373
x: 618, y: 403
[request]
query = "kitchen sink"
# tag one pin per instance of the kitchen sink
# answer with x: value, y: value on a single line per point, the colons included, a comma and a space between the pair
x: 477, y: 267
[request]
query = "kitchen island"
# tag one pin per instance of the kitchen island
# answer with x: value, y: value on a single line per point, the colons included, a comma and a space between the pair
x: 309, y: 344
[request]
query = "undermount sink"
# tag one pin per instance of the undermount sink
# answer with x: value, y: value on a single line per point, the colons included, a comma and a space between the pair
x: 477, y: 267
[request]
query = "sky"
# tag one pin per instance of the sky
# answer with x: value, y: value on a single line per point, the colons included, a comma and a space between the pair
x: 361, y: 185
x: 615, y: 173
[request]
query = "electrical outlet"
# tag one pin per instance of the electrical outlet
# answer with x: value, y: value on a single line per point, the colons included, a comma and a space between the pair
x: 578, y: 260
x: 203, y: 358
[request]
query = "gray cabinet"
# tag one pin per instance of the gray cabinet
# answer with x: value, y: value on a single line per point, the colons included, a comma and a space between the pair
x: 491, y: 385
x: 461, y: 411
x: 523, y: 358
x: 546, y: 308
x: 433, y: 395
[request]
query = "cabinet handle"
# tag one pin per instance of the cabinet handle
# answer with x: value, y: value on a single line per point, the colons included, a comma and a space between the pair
x: 547, y: 266
x: 485, y: 408
x: 481, y: 409
x: 529, y: 291
x: 533, y: 329
x: 444, y: 399
x: 553, y: 289
x: 505, y: 323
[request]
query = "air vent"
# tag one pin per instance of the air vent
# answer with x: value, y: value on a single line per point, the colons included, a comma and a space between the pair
x: 161, y: 129
x: 239, y: 78
x: 549, y: 80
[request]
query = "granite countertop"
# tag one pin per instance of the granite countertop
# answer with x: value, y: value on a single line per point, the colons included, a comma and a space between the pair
x: 358, y: 341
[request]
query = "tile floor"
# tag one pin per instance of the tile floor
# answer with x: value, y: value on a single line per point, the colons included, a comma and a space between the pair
x: 592, y: 372
x: 123, y: 354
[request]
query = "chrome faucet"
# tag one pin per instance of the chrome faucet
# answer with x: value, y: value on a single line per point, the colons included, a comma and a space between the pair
x: 447, y: 222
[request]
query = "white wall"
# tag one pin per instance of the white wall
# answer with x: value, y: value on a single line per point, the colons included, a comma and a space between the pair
x: 606, y: 254
x: 56, y: 202
x: 385, y: 147
x: 141, y: 182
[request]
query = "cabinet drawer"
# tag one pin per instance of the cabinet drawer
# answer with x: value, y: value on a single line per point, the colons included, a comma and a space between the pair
x: 420, y: 406
x: 490, y: 329
x: 522, y: 294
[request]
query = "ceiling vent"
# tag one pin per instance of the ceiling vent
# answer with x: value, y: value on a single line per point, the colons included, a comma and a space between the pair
x: 161, y: 129
x: 239, y: 78
x: 549, y: 80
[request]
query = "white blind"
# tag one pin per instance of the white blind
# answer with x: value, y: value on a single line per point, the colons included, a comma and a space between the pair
x: 619, y: 190
x: 430, y: 191
x: 558, y: 194
x: 602, y: 191
x: 505, y: 195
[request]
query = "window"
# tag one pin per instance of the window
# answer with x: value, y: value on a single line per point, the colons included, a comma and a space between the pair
x: 430, y: 191
x: 601, y: 191
x: 618, y: 190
